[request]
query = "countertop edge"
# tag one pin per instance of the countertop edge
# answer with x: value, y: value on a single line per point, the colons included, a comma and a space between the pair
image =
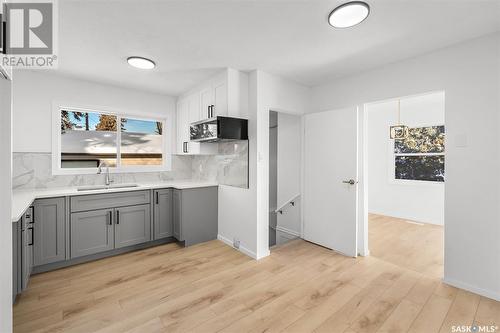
x: 23, y: 199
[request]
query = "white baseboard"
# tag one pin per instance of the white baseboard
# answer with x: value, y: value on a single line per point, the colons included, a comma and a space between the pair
x: 364, y: 253
x: 242, y: 249
x: 409, y: 218
x: 483, y: 292
x: 288, y: 231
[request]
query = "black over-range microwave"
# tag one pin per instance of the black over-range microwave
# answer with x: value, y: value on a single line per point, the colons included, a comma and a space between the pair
x: 219, y: 128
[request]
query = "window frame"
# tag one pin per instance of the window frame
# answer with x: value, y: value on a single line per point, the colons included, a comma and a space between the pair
x: 392, y: 163
x: 167, y: 140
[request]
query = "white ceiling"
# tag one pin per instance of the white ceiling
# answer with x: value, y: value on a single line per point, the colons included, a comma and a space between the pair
x: 192, y: 39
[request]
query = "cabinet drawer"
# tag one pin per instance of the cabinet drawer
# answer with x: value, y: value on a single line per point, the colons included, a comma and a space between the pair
x: 109, y: 200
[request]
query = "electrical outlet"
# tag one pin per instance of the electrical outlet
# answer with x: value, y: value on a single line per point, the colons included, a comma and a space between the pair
x: 236, y: 243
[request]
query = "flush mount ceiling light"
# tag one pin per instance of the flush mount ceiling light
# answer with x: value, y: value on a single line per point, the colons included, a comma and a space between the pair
x: 141, y: 63
x: 349, y: 14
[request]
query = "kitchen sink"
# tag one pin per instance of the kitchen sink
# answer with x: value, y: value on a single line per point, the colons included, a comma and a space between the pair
x: 105, y: 187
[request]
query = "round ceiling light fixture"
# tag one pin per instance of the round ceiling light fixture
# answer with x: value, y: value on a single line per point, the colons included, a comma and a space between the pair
x: 141, y: 63
x: 349, y: 14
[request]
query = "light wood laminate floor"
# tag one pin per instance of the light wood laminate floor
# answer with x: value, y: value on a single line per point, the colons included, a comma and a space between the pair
x: 210, y: 287
x: 412, y: 245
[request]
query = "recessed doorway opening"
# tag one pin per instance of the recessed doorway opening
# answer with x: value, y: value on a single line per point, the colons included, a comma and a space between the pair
x: 405, y: 175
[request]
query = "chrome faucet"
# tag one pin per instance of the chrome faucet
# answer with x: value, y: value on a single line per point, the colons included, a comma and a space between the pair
x: 107, y: 180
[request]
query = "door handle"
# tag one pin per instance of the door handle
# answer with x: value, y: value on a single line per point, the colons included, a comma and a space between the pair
x: 157, y: 199
x: 117, y: 217
x: 32, y: 236
x: 350, y: 182
x: 110, y: 220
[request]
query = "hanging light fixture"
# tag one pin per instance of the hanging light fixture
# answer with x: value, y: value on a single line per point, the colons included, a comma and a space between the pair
x: 399, y: 132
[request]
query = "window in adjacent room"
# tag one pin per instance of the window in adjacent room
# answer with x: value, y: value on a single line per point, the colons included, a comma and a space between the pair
x: 420, y: 156
x: 89, y: 138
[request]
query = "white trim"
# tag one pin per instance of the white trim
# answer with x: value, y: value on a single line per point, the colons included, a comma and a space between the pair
x: 168, y: 128
x: 287, y: 231
x: 405, y: 182
x: 483, y: 292
x: 407, y: 218
x: 242, y: 249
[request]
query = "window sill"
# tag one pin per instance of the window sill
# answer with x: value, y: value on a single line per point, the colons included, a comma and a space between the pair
x: 414, y: 182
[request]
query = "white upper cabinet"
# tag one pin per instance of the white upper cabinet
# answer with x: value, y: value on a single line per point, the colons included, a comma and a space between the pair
x: 213, y: 97
x: 225, y: 94
x: 207, y: 100
x: 194, y: 108
x: 182, y: 126
x: 220, y: 104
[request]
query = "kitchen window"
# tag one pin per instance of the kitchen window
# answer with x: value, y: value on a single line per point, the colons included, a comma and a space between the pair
x: 88, y: 138
x: 420, y: 156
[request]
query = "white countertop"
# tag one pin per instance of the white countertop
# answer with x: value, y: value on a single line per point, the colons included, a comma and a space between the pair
x: 22, y: 199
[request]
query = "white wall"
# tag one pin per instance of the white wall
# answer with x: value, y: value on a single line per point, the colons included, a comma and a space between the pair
x: 34, y: 93
x: 237, y: 206
x: 413, y: 200
x: 244, y: 213
x: 5, y: 205
x: 469, y: 73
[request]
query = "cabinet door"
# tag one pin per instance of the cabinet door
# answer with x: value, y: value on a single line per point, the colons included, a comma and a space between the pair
x: 49, y: 231
x: 194, y: 108
x: 162, y: 217
x: 220, y: 98
x: 132, y: 225
x: 198, y: 214
x: 182, y: 126
x: 16, y: 267
x: 27, y: 257
x: 177, y: 214
x: 194, y: 116
x: 206, y: 100
x: 91, y: 232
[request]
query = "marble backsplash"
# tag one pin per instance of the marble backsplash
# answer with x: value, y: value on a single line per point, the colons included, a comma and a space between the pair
x: 228, y: 167
x: 34, y: 170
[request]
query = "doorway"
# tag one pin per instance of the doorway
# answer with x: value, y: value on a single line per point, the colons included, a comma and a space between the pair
x: 405, y: 174
x: 285, y: 143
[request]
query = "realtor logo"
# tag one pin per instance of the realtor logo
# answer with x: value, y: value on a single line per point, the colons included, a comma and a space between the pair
x: 28, y: 34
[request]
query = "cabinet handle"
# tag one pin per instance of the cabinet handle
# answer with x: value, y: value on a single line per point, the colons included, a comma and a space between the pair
x: 185, y: 147
x: 209, y: 107
x: 157, y: 199
x: 110, y: 222
x: 32, y: 236
x: 117, y: 217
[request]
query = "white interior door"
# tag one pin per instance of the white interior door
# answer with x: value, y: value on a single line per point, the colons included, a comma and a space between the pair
x: 330, y: 163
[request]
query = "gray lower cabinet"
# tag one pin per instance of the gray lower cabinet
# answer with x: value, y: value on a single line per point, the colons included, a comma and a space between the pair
x: 16, y: 259
x: 132, y: 225
x: 195, y: 214
x: 49, y: 231
x: 89, y: 202
x: 91, y: 232
x: 163, y: 214
x: 27, y: 253
x: 22, y: 255
x: 177, y: 214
